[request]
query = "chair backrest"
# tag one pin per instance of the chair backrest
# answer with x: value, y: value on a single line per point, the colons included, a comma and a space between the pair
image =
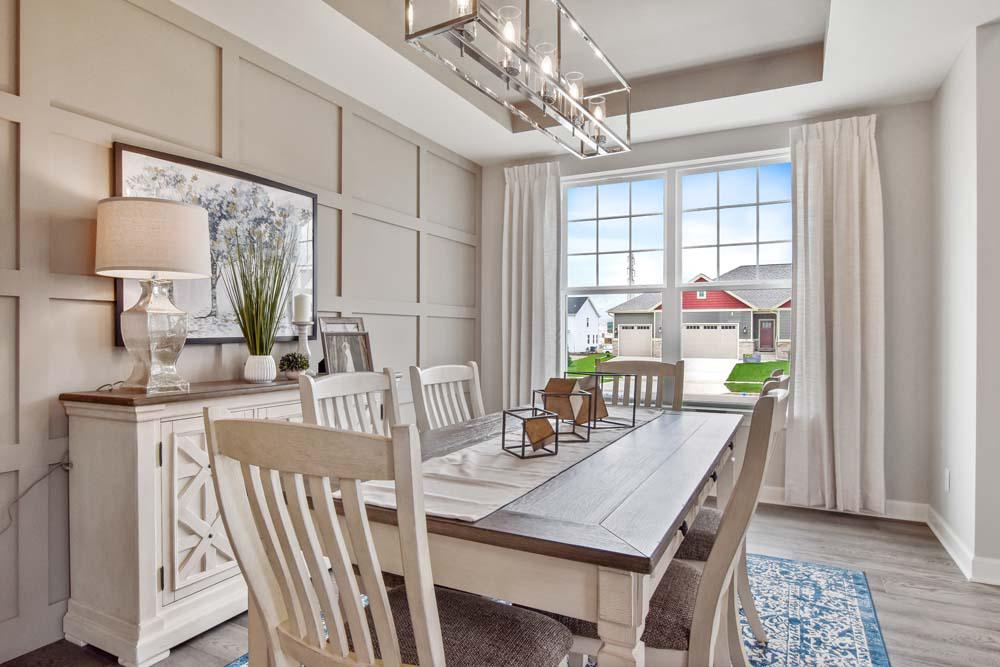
x: 648, y: 374
x: 768, y: 418
x: 776, y: 381
x: 446, y: 395
x: 363, y: 402
x: 275, y: 483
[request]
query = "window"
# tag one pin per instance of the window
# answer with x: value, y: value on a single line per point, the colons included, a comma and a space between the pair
x: 732, y: 221
x: 614, y: 233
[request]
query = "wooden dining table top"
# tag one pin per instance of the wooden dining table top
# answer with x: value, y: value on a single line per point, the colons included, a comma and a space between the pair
x: 618, y: 508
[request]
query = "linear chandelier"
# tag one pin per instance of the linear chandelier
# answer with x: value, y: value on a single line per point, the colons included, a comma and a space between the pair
x: 524, y: 62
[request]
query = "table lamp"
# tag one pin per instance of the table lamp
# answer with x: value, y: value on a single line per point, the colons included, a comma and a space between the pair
x: 154, y: 241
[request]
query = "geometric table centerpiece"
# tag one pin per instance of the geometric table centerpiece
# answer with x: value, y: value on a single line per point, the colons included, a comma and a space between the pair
x: 567, y: 399
x: 592, y: 382
x: 533, y: 428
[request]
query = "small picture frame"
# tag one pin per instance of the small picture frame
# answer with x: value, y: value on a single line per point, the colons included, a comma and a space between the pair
x: 335, y: 324
x: 347, y: 352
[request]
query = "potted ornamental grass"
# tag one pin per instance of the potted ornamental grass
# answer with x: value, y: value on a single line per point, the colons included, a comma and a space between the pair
x: 258, y: 275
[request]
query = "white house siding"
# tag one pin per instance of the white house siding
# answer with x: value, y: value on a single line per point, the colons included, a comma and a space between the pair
x: 578, y: 329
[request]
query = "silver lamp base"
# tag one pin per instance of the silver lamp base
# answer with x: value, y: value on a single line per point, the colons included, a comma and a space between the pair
x: 154, y: 330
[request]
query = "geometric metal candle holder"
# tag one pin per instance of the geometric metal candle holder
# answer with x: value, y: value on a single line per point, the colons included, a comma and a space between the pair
x: 592, y: 382
x: 533, y: 432
x: 564, y: 397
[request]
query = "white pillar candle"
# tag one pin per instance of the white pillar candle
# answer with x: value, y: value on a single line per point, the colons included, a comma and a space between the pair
x: 302, y: 308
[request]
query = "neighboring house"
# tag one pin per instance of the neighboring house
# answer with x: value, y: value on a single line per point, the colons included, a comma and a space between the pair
x: 717, y: 323
x: 585, y: 328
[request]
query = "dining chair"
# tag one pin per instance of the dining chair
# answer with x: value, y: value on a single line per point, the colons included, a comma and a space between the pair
x: 275, y: 484
x: 691, y: 601
x: 365, y: 402
x: 648, y: 374
x: 446, y: 395
x: 702, y: 534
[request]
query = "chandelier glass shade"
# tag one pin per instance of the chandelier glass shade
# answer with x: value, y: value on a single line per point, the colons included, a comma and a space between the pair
x: 534, y: 59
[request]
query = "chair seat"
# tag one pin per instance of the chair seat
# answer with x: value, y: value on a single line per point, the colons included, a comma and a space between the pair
x: 700, y: 538
x: 671, y: 611
x: 479, y: 632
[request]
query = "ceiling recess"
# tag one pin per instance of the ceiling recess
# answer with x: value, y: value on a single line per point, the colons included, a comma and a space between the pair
x: 515, y: 53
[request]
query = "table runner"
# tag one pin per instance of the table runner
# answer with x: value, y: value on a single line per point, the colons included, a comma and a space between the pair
x: 475, y: 481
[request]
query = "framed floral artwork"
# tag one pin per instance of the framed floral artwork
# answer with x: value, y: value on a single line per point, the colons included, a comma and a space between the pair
x: 237, y: 203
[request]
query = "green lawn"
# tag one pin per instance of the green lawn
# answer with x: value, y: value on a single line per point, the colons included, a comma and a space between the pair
x: 588, y: 364
x: 749, y: 377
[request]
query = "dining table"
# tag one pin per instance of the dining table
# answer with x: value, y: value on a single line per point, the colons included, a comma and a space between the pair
x: 591, y: 542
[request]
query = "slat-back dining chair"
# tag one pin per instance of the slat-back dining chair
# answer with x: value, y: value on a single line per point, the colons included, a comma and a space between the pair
x: 275, y: 483
x: 446, y: 395
x: 701, y: 535
x: 363, y: 402
x: 649, y: 374
x: 690, y: 602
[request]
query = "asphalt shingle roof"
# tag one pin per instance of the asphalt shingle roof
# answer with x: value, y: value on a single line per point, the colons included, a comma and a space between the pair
x: 575, y: 303
x: 638, y: 304
x: 763, y: 299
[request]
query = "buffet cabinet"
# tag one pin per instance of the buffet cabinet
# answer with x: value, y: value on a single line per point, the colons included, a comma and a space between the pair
x: 150, y: 563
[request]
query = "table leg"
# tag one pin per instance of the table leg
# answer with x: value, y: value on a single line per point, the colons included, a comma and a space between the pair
x: 622, y: 603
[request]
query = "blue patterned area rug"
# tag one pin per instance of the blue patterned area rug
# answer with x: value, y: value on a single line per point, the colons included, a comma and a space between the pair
x: 814, y: 614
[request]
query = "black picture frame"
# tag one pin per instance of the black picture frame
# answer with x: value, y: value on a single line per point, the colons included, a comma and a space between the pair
x: 120, y: 148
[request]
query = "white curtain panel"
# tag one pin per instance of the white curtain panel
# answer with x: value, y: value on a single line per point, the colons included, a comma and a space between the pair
x: 834, y: 454
x: 530, y: 271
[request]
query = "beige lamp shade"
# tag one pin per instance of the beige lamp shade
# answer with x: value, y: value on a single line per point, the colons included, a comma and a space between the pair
x: 144, y: 238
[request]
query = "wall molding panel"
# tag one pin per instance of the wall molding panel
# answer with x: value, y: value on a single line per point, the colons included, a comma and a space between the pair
x: 201, y: 93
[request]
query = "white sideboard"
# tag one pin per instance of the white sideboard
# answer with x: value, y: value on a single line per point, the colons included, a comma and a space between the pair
x: 150, y: 563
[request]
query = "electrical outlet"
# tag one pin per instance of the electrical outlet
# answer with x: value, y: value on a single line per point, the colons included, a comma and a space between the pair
x: 947, y: 480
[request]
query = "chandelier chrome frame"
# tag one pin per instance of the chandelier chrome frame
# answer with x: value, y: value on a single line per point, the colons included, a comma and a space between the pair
x: 579, y: 142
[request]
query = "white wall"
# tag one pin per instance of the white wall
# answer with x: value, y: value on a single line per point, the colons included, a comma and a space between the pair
x: 904, y: 142
x: 986, y: 565
x: 954, y: 317
x: 397, y: 234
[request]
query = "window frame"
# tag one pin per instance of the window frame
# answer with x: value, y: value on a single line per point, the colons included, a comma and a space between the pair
x: 671, y: 288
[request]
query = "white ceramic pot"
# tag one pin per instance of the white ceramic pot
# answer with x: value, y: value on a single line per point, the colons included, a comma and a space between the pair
x: 260, y: 369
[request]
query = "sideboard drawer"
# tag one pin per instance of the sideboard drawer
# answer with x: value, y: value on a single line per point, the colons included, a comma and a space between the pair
x: 290, y: 412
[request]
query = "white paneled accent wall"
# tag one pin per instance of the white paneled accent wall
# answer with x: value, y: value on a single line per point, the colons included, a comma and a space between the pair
x: 397, y: 232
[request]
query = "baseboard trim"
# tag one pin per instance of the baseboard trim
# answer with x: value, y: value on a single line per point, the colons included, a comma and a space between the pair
x: 901, y: 510
x: 951, y: 542
x: 985, y: 570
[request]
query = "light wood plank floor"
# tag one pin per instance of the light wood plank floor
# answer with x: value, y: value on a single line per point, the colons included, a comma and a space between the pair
x: 930, y: 615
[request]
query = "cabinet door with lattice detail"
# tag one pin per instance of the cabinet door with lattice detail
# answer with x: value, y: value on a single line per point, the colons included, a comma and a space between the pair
x: 196, y: 549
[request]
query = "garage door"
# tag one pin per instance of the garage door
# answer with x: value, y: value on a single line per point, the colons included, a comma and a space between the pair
x: 635, y: 340
x: 711, y: 341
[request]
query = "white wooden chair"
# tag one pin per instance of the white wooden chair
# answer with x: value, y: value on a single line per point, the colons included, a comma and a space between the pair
x: 701, y: 536
x: 446, y: 395
x: 649, y: 373
x: 363, y: 402
x: 690, y: 603
x: 275, y: 482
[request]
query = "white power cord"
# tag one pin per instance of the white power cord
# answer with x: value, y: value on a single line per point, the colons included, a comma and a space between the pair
x: 63, y: 464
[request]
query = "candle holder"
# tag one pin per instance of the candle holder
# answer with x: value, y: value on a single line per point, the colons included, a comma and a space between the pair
x: 570, y: 402
x: 593, y: 383
x: 303, y: 329
x: 510, y: 27
x: 599, y: 109
x: 574, y: 86
x: 545, y: 53
x: 539, y: 433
